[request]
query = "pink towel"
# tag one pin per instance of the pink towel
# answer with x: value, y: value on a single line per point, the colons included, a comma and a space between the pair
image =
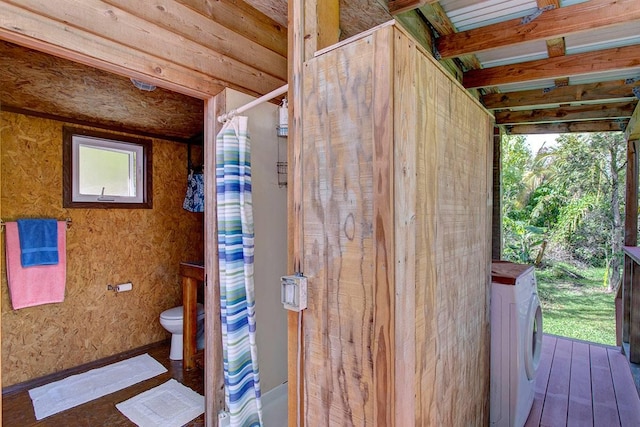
x: 42, y: 284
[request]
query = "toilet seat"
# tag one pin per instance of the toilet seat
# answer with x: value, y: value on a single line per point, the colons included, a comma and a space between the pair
x: 175, y: 313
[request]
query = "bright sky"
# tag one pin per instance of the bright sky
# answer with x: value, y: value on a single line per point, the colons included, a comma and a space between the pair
x: 536, y: 141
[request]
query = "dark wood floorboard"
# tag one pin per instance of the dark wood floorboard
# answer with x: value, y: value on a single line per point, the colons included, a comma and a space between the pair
x: 580, y: 406
x: 554, y: 411
x: 17, y: 409
x: 583, y: 384
x: 542, y: 379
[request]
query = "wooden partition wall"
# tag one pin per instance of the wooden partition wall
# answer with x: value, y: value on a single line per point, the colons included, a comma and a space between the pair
x: 397, y: 238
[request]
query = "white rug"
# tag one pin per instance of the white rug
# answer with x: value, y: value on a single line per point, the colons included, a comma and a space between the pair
x: 75, y: 390
x: 168, y: 405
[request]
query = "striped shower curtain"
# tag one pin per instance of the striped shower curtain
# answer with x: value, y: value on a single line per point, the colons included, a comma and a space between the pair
x: 235, y: 248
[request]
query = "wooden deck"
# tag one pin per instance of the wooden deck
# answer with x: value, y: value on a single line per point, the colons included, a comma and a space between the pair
x: 583, y: 384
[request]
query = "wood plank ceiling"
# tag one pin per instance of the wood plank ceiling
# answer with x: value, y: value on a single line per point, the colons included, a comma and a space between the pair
x: 545, y: 66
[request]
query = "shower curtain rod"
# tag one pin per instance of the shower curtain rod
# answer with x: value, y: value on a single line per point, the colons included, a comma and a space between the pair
x: 283, y: 89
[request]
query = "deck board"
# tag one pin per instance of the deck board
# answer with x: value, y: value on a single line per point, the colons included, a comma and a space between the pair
x: 625, y: 388
x: 583, y: 384
x: 542, y: 379
x: 580, y: 406
x: 605, y: 411
x: 554, y: 411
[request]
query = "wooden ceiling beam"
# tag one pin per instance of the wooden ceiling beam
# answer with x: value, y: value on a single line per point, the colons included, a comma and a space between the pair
x: 200, y: 29
x: 615, y: 90
x: 632, y: 132
x: 554, y: 68
x: 615, y: 110
x: 552, y: 24
x: 568, y: 127
x: 399, y: 6
x: 106, y: 22
x: 437, y: 17
x: 32, y: 30
x: 245, y: 20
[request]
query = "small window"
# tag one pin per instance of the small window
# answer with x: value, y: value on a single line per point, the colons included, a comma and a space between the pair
x: 105, y: 171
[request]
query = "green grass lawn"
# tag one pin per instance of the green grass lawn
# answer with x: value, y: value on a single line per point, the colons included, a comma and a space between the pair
x: 578, y: 307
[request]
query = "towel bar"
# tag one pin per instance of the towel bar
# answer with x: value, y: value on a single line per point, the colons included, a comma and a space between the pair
x: 68, y: 221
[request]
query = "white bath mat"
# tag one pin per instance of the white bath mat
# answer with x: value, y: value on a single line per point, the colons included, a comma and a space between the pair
x: 75, y: 390
x: 168, y: 405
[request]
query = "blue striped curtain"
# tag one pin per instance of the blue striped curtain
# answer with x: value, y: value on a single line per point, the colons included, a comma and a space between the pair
x: 237, y: 299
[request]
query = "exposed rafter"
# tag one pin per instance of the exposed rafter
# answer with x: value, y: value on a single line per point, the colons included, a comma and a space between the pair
x: 555, y: 68
x: 618, y: 110
x: 616, y: 90
x: 552, y: 24
x: 569, y: 127
x: 399, y: 6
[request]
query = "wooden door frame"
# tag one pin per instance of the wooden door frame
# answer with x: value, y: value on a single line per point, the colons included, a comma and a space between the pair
x: 214, y: 106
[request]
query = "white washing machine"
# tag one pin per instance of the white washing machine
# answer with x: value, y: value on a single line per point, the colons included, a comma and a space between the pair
x: 516, y: 342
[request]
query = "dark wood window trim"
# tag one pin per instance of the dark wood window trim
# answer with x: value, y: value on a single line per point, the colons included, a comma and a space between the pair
x: 67, y: 170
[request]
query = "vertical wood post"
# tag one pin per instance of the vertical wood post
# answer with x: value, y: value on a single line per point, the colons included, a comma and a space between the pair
x: 313, y: 24
x: 213, y: 375
x: 496, y: 224
x: 630, y: 233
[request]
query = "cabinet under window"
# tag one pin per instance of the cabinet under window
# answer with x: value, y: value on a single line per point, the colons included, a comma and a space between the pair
x: 103, y: 170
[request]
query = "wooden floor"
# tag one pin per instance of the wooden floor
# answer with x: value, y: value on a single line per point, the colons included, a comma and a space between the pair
x: 17, y: 409
x: 583, y: 384
x: 578, y: 384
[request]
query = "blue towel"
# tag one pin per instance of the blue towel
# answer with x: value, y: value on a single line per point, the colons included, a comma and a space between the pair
x: 38, y: 241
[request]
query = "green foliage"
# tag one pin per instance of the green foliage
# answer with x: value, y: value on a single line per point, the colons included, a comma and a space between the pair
x: 568, y: 193
x: 523, y: 240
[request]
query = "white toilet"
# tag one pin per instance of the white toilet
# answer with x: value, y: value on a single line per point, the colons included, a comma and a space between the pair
x: 172, y: 321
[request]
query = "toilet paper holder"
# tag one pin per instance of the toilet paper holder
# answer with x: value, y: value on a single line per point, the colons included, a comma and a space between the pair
x: 123, y: 287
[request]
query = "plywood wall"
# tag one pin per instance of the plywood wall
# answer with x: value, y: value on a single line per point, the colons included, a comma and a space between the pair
x: 104, y: 246
x: 396, y: 206
x: 453, y: 165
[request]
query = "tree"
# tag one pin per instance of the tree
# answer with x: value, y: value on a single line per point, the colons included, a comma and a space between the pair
x: 586, y: 177
x: 570, y: 192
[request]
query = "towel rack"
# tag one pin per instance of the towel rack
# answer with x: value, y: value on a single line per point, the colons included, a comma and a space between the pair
x: 67, y: 220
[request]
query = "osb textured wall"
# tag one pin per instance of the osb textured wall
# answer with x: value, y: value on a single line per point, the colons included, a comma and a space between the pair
x: 104, y: 246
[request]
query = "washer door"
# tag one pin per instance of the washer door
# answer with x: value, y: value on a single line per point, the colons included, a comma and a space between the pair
x: 533, y: 342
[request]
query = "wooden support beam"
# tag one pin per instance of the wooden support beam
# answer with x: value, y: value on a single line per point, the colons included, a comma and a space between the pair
x: 496, y: 222
x: 554, y: 68
x: 243, y: 19
x: 615, y: 90
x: 130, y: 32
x: 633, y: 129
x: 28, y: 29
x: 309, y: 31
x: 617, y: 110
x: 213, y: 372
x: 399, y: 6
x: 202, y: 30
x: 552, y: 24
x: 634, y: 312
x: 630, y: 232
x: 568, y: 127
x: 438, y: 18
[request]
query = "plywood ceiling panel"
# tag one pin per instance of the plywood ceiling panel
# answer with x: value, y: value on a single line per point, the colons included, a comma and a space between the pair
x: 37, y: 82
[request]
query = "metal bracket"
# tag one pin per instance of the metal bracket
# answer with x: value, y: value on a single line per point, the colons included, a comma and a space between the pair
x: 534, y: 15
x: 549, y: 89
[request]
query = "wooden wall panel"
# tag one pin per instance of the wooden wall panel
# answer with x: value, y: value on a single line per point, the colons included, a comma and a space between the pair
x: 105, y: 246
x: 433, y: 174
x: 338, y: 237
x: 452, y: 252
